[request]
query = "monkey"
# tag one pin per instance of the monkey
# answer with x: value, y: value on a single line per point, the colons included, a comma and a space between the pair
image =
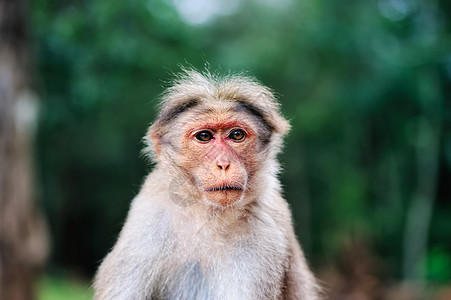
x: 210, y: 221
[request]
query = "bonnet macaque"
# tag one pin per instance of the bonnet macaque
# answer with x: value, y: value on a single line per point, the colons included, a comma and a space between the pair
x: 210, y: 221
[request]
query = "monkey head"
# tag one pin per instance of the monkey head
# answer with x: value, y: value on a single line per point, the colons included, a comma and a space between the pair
x: 217, y: 134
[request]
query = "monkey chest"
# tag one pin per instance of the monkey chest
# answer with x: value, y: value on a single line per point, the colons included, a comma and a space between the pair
x: 246, y: 272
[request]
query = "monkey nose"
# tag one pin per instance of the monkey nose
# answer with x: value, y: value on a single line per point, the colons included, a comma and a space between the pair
x: 223, y: 163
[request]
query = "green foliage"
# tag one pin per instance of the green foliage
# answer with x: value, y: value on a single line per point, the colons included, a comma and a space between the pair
x: 439, y: 264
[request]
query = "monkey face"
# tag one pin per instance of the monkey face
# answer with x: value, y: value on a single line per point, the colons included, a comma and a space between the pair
x: 219, y: 152
x: 215, y: 141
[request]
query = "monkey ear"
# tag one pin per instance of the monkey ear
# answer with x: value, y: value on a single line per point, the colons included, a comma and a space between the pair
x: 156, y: 138
x: 153, y: 138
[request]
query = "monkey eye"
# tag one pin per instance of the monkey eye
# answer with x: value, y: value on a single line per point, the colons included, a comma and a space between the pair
x: 237, y: 135
x: 204, y: 136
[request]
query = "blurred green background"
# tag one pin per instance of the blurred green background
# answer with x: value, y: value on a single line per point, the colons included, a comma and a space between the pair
x: 366, y: 86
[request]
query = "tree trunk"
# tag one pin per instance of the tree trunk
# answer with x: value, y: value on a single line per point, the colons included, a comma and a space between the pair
x: 23, y: 239
x: 419, y: 212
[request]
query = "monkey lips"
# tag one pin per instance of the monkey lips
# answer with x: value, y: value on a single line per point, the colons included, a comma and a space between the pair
x: 224, y: 194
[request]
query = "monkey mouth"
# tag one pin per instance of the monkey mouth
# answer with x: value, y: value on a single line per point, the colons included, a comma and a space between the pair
x: 225, y: 188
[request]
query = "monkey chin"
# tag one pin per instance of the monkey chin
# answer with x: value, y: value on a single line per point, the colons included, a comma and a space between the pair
x: 224, y: 198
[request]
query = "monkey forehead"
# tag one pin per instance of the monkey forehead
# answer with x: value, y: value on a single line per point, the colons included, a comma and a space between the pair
x: 218, y: 117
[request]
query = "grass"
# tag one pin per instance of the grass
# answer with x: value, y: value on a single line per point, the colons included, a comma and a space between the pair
x: 58, y: 288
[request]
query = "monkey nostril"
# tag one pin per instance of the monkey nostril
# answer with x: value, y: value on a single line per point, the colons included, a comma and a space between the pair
x: 223, y: 165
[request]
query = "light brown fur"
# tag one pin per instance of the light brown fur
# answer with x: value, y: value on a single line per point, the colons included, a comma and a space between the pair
x: 186, y: 239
